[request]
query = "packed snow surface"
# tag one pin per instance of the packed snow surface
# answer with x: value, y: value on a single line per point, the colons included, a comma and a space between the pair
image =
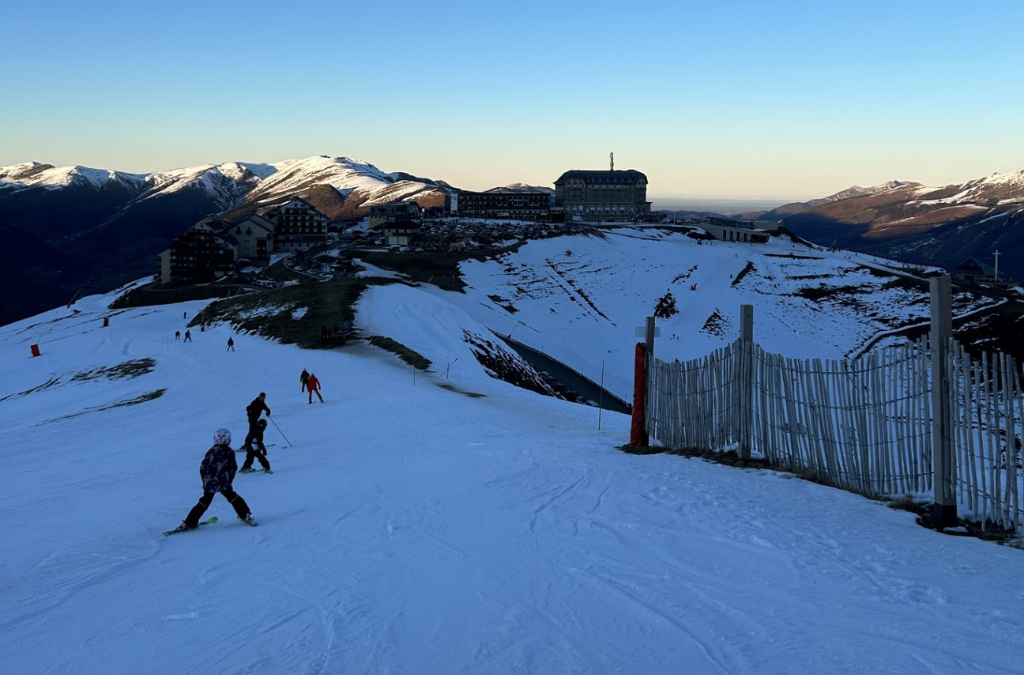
x: 412, y: 528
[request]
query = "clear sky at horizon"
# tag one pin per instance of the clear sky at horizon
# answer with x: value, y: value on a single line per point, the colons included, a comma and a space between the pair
x: 727, y: 99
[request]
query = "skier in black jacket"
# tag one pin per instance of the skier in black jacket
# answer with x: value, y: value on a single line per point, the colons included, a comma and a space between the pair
x: 253, y: 412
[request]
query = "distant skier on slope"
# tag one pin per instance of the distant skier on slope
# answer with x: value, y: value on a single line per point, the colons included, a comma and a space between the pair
x: 188, y: 336
x: 218, y: 472
x: 253, y: 412
x: 314, y: 388
x: 231, y: 344
x: 259, y: 453
x: 304, y: 378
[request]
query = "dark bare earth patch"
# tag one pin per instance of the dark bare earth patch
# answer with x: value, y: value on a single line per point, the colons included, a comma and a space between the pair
x: 149, y: 396
x: 744, y: 272
x: 119, y: 372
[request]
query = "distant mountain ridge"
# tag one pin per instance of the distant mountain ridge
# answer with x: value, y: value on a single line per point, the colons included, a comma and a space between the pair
x: 915, y: 222
x: 232, y: 185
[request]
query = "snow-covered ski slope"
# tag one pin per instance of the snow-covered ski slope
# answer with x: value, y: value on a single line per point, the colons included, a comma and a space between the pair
x: 416, y: 529
x: 581, y: 298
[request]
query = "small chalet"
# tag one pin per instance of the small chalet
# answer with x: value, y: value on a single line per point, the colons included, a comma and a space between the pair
x: 972, y: 270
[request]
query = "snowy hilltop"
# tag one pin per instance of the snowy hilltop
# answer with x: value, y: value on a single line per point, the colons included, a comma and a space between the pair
x: 449, y: 522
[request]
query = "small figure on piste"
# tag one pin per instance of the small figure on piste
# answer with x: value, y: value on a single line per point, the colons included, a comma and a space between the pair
x: 218, y: 472
x: 231, y: 344
x: 304, y: 378
x: 260, y: 451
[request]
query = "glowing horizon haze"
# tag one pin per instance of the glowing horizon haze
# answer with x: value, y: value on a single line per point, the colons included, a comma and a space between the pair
x: 739, y: 100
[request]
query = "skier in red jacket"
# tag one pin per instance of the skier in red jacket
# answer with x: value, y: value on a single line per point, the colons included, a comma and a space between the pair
x: 313, y: 384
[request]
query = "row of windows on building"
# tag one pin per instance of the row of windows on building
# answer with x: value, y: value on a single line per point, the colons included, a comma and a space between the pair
x: 211, y: 248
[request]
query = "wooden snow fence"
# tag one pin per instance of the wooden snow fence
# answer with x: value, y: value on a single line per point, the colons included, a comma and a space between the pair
x: 987, y: 427
x: 861, y: 424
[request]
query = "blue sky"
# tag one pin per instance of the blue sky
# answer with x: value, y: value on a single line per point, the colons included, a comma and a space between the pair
x: 724, y: 99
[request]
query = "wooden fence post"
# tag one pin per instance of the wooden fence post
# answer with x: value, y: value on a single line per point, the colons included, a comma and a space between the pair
x: 747, y: 380
x: 649, y: 333
x: 942, y: 438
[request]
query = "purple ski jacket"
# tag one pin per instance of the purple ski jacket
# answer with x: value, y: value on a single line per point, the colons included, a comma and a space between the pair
x: 218, y: 468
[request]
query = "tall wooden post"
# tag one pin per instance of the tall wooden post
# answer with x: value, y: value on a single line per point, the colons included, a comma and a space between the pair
x: 649, y: 334
x: 747, y: 382
x: 942, y: 438
x: 639, y: 435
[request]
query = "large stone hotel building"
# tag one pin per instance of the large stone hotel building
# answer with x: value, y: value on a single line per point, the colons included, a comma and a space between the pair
x: 602, y: 195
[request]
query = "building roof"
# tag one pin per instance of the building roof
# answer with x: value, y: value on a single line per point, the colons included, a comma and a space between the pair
x: 627, y: 177
x: 294, y: 201
x: 973, y: 266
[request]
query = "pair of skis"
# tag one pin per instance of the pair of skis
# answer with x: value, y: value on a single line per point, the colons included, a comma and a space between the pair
x: 266, y: 445
x: 208, y: 521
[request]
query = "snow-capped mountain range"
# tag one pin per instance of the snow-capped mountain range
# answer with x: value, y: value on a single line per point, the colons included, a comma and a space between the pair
x: 919, y: 223
x: 233, y: 184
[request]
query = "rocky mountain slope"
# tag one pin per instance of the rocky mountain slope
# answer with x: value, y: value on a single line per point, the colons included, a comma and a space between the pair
x: 914, y: 222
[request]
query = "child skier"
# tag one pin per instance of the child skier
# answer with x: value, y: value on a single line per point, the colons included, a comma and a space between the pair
x: 218, y: 472
x: 259, y: 453
x: 253, y: 412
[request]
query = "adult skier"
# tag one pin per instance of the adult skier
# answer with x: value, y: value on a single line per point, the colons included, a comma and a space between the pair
x: 231, y: 344
x: 304, y: 378
x: 259, y: 453
x: 313, y: 384
x: 218, y: 472
x: 188, y: 336
x: 253, y: 412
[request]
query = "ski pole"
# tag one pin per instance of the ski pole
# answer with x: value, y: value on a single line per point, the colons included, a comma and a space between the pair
x: 279, y: 431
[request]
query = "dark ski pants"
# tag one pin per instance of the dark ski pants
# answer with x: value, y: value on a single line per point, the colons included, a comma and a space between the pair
x: 251, y: 455
x: 254, y: 434
x: 241, y: 508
